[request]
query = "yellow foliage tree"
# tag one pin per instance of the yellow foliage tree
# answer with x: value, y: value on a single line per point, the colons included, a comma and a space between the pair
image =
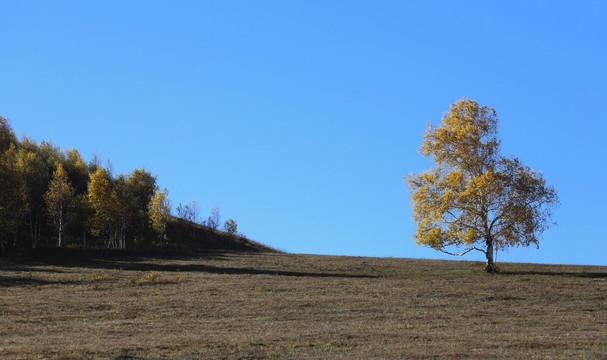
x: 159, y: 211
x: 60, y: 202
x: 474, y: 198
x: 101, y: 202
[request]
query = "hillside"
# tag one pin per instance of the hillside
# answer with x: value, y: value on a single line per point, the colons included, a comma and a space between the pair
x: 185, y: 239
x: 191, y: 237
x: 228, y: 305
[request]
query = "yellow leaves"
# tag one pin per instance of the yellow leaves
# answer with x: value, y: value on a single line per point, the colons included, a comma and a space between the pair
x: 159, y: 211
x: 455, y: 179
x: 468, y: 135
x: 470, y: 236
x: 100, y: 192
x: 431, y: 237
x: 60, y: 194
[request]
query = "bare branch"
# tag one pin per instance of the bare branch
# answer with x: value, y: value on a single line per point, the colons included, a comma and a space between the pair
x: 462, y: 253
x: 460, y: 221
x: 494, y: 221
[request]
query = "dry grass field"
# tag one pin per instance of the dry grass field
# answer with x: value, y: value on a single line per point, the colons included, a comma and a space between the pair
x: 271, y: 306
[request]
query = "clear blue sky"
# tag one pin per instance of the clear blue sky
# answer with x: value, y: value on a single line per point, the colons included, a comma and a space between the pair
x: 300, y: 118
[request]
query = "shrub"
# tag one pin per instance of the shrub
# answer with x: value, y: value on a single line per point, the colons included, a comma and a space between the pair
x: 230, y: 226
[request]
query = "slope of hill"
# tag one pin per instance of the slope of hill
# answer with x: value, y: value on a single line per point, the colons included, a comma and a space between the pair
x: 229, y: 305
x: 192, y: 237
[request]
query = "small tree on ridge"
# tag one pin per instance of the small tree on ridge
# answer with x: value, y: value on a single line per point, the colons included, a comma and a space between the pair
x: 215, y: 218
x: 230, y: 226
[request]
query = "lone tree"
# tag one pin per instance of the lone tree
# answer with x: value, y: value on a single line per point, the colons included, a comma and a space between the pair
x: 475, y: 198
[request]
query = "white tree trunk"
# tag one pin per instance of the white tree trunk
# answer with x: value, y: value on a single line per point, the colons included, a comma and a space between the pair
x: 490, y: 266
x: 61, y: 228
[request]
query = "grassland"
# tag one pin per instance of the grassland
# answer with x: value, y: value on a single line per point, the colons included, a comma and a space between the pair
x: 262, y: 306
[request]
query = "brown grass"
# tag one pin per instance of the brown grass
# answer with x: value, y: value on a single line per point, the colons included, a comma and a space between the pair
x: 263, y: 306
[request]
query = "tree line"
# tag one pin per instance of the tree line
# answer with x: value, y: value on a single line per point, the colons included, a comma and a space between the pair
x: 51, y: 197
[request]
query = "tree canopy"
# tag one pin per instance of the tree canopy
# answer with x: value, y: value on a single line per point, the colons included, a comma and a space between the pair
x: 475, y: 198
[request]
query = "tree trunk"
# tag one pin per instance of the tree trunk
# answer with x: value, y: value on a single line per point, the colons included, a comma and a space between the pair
x: 60, y: 232
x: 38, y: 229
x: 490, y: 267
x: 33, y: 231
x: 35, y: 225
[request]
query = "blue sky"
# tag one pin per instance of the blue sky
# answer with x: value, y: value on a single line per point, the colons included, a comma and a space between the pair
x: 300, y: 118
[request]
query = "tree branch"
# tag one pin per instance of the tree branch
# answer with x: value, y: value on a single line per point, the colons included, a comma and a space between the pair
x: 494, y: 221
x: 462, y: 253
x: 461, y: 222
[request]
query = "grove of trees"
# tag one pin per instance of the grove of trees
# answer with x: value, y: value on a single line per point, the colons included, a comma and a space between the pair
x: 53, y: 197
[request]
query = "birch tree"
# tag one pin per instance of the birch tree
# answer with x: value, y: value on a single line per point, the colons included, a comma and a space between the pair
x: 160, y: 212
x: 475, y: 198
x: 230, y: 226
x: 214, y: 219
x: 123, y: 209
x: 7, y: 136
x: 189, y: 212
x: 60, y: 202
x: 11, y: 196
x: 100, y: 196
x: 36, y: 177
x: 77, y: 171
x: 142, y: 185
x: 11, y: 184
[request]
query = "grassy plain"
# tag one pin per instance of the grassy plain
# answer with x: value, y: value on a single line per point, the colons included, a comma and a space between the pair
x: 265, y: 306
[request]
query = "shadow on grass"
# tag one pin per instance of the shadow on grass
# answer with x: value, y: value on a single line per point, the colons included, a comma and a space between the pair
x: 144, y: 266
x: 144, y: 262
x: 587, y: 275
x: 9, y: 281
x: 31, y: 269
x: 76, y: 257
